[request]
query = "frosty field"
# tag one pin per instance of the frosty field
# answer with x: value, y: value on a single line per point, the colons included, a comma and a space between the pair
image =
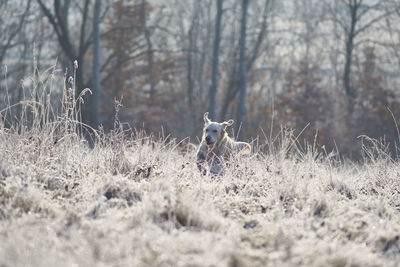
x: 132, y: 199
x: 103, y: 102
x: 138, y: 202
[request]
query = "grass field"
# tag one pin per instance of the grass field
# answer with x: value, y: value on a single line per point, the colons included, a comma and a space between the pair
x: 142, y: 202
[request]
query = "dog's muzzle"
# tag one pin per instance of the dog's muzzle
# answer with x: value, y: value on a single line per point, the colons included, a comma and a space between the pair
x: 208, y: 140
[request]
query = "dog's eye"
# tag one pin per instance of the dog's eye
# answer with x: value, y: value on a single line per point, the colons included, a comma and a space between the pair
x: 206, y: 130
x: 215, y: 131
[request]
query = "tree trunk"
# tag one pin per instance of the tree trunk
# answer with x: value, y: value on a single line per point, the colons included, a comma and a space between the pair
x: 231, y: 91
x: 59, y: 21
x: 233, y: 87
x: 150, y: 53
x: 242, y: 72
x: 96, y: 65
x: 214, y: 80
x: 350, y: 94
x: 189, y: 58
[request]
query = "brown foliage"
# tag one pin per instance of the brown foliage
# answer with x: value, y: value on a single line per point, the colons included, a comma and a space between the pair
x: 124, y: 28
x: 136, y: 79
x: 377, y: 109
x: 303, y: 103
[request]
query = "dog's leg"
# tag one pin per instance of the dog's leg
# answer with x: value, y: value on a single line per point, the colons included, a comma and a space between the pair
x: 217, y: 167
x: 202, y: 156
x: 201, y: 167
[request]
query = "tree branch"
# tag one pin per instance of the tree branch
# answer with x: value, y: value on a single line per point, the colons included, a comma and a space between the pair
x: 371, y: 22
x: 13, y: 34
x: 116, y: 67
x: 82, y: 43
x: 63, y: 40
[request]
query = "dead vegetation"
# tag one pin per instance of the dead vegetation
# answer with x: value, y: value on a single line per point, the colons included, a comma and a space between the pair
x: 140, y: 201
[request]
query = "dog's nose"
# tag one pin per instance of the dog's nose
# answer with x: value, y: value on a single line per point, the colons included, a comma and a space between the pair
x: 208, y: 138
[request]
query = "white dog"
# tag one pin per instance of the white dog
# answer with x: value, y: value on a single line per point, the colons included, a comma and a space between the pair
x: 216, y: 146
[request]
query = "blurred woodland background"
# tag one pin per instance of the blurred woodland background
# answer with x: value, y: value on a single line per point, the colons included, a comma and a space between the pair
x: 317, y: 66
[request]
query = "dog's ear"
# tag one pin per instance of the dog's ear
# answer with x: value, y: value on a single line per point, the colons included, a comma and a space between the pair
x: 206, y: 119
x: 228, y: 123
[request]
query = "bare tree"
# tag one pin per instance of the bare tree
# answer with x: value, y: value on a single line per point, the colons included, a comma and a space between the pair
x: 60, y: 23
x: 256, y: 49
x: 96, y: 64
x: 9, y: 31
x: 214, y: 79
x: 150, y: 51
x: 192, y: 38
x: 76, y: 40
x: 359, y: 16
x: 13, y: 51
x: 242, y: 70
x: 394, y: 32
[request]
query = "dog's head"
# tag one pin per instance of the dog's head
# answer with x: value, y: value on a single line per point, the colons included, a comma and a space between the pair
x: 214, y: 131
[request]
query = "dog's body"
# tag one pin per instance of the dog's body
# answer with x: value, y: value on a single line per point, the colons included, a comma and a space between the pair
x: 216, y: 146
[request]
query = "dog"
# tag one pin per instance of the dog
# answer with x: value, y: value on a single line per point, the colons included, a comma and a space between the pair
x: 216, y: 146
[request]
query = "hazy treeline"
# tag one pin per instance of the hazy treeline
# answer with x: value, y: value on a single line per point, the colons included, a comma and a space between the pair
x: 328, y: 67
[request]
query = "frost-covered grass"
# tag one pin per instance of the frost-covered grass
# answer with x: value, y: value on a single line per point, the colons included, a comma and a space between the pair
x: 142, y: 202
